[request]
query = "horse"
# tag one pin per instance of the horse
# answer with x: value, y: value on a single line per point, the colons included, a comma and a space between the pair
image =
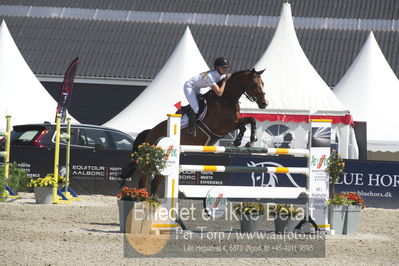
x: 222, y: 117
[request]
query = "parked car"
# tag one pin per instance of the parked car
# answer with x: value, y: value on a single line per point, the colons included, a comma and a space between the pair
x: 83, y: 136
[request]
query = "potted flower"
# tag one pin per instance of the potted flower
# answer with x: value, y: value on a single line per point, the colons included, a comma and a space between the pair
x: 43, y: 188
x: 150, y: 159
x: 18, y: 179
x: 353, y: 212
x: 337, y: 203
x: 338, y: 207
x: 133, y: 198
x: 250, y: 213
x: 285, y: 217
x: 335, y: 169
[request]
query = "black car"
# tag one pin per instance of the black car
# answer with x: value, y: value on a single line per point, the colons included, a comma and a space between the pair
x: 82, y: 137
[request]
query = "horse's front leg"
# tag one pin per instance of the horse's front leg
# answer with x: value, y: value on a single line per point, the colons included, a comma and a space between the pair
x: 253, y: 137
x: 237, y: 141
x: 240, y: 124
x: 143, y: 182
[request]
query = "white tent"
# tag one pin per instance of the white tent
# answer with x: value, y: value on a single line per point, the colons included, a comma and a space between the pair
x: 22, y: 95
x: 295, y: 92
x: 370, y: 89
x: 159, y: 98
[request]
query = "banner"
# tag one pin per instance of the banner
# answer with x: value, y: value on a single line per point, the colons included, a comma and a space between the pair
x: 65, y: 95
x: 97, y: 172
x: 318, y: 181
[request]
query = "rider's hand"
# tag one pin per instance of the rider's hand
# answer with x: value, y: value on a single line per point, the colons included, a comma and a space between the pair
x: 227, y: 77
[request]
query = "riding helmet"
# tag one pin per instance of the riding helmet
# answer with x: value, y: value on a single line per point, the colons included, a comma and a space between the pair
x: 221, y: 61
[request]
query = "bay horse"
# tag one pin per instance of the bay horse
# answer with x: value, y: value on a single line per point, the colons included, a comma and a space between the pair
x: 222, y: 117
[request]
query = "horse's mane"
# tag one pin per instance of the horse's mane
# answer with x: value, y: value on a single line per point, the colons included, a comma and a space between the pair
x: 211, y: 93
x: 233, y: 75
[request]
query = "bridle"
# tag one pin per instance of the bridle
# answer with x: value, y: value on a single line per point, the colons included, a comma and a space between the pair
x: 244, y: 91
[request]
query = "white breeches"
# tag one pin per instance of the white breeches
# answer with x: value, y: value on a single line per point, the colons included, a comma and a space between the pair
x: 191, y: 95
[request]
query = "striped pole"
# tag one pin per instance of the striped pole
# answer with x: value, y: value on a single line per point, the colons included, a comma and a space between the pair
x: 248, y: 150
x: 244, y: 169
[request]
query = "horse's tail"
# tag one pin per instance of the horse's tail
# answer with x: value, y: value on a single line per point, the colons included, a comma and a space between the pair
x: 131, y: 167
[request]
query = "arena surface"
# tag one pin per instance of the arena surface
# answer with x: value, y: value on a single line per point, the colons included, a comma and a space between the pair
x: 87, y: 233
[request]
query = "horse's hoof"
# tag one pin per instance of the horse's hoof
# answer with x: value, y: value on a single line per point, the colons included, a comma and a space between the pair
x: 254, y: 139
x: 237, y: 143
x: 249, y: 144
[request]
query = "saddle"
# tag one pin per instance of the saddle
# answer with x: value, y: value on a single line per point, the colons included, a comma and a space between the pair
x: 187, y: 108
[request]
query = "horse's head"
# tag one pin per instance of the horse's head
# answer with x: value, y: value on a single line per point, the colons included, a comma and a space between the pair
x: 254, y: 88
x: 247, y: 82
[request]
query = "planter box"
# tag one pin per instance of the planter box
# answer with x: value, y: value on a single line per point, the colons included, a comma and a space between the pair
x: 124, y: 209
x: 337, y: 215
x: 136, y: 217
x: 352, y: 220
x: 285, y: 223
x: 44, y: 195
x: 141, y: 219
x: 249, y: 224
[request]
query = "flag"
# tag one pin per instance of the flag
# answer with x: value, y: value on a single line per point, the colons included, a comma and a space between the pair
x: 178, y: 105
x: 65, y: 95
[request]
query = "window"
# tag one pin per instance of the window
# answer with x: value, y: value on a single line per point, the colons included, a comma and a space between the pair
x: 94, y: 138
x: 278, y: 136
x: 18, y: 137
x: 122, y: 142
x: 74, y: 133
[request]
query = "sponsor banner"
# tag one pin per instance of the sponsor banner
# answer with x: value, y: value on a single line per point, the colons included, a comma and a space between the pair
x: 376, y: 181
x: 92, y: 171
x: 96, y: 172
x: 267, y: 179
x: 215, y: 203
x: 169, y: 145
x: 204, y: 178
x: 318, y: 182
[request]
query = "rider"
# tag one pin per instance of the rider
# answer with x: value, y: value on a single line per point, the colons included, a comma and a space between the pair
x: 206, y: 79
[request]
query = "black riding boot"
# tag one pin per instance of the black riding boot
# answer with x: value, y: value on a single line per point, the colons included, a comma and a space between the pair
x: 191, y: 123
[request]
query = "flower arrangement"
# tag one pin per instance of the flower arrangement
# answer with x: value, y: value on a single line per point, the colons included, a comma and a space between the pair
x: 249, y: 208
x: 48, y: 180
x: 339, y: 199
x: 284, y: 210
x: 346, y: 199
x: 149, y: 158
x: 134, y: 194
x: 354, y: 199
x: 335, y: 168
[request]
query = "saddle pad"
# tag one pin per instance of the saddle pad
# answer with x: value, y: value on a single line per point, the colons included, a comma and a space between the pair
x: 184, y: 119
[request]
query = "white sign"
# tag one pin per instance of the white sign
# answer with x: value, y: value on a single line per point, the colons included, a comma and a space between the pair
x: 320, y: 141
x: 169, y: 146
x: 215, y: 202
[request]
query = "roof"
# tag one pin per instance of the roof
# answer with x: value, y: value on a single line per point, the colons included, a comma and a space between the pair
x: 368, y: 9
x: 125, y: 49
x: 371, y: 78
x: 292, y: 84
x: 166, y: 87
x: 22, y: 95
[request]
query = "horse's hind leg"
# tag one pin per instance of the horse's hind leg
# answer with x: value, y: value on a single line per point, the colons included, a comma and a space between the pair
x: 155, y: 184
